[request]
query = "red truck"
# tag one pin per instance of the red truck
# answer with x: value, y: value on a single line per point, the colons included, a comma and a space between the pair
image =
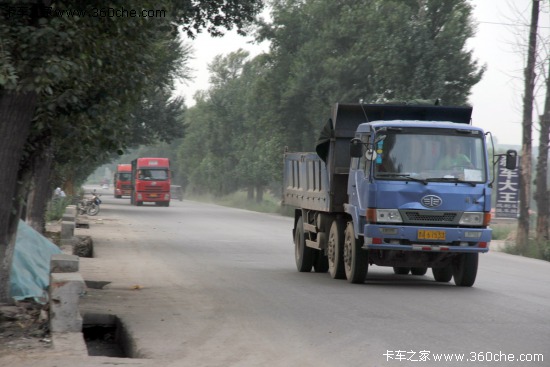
x: 122, y: 180
x: 151, y: 181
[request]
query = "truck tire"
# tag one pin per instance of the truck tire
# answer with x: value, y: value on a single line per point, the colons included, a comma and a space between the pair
x: 302, y: 253
x: 419, y: 271
x: 401, y: 270
x: 320, y: 262
x: 443, y: 275
x: 465, y: 269
x: 355, y: 258
x: 335, y: 249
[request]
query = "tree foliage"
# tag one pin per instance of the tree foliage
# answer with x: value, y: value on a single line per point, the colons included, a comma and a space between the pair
x: 81, y: 87
x: 321, y: 52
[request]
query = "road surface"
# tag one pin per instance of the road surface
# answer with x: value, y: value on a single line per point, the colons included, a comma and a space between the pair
x: 203, y: 285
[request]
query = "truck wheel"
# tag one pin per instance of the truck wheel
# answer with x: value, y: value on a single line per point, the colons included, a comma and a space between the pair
x: 443, y: 275
x: 302, y: 253
x: 419, y: 271
x: 401, y: 270
x: 139, y: 203
x: 355, y: 258
x: 320, y: 263
x: 465, y: 269
x: 335, y: 249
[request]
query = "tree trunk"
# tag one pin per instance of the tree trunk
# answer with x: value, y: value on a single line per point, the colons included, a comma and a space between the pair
x: 40, y: 191
x: 259, y: 193
x: 522, y: 239
x: 541, y: 195
x: 250, y: 193
x: 16, y: 112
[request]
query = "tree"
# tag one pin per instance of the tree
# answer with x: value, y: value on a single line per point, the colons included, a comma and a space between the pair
x: 75, y: 79
x: 522, y: 238
x: 542, y: 196
x: 404, y: 50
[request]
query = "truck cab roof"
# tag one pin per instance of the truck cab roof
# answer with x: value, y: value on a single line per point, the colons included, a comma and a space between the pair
x: 369, y: 126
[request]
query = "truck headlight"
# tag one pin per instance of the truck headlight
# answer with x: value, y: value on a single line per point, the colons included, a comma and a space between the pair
x: 472, y: 218
x: 388, y: 216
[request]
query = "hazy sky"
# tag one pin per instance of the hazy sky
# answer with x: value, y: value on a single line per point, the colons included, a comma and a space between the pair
x: 499, y: 44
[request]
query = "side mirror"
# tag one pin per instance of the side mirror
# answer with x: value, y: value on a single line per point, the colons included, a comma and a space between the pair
x: 511, y: 159
x: 356, y: 148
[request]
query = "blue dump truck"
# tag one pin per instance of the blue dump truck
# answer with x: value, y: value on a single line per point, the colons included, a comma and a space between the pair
x: 404, y: 186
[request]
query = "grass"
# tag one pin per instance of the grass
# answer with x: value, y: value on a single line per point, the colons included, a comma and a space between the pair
x: 239, y: 199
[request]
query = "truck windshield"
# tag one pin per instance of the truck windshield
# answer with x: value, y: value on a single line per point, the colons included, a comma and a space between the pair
x: 427, y: 155
x: 124, y: 176
x: 152, y: 174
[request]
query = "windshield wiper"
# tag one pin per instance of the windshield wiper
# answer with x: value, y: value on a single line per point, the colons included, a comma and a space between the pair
x: 404, y: 175
x: 450, y: 179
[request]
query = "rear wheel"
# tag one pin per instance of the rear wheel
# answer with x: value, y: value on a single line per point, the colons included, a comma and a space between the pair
x: 355, y: 258
x: 443, y: 275
x: 465, y: 269
x: 302, y: 253
x: 419, y: 271
x: 401, y: 270
x: 335, y: 249
x: 320, y: 263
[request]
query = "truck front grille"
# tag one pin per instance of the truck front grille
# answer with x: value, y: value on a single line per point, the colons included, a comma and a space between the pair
x: 429, y: 217
x: 154, y: 188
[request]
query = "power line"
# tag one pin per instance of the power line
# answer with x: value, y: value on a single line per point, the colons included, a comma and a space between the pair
x: 510, y: 24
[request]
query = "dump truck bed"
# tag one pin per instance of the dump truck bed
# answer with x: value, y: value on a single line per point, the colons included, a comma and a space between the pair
x: 306, y: 182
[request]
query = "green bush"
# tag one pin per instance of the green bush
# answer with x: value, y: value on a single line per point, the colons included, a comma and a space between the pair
x: 56, y: 208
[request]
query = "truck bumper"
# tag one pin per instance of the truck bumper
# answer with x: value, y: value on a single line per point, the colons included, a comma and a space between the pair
x: 153, y: 197
x: 415, y: 238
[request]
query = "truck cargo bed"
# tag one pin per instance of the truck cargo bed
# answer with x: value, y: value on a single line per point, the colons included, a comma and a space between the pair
x: 305, y: 181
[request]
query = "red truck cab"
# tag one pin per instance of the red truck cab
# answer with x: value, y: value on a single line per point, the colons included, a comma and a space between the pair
x: 151, y: 181
x: 123, y: 180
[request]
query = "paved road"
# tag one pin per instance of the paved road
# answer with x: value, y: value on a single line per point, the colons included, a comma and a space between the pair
x: 202, y: 285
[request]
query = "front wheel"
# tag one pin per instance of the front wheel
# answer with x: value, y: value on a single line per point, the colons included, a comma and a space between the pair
x: 355, y: 258
x: 302, y: 253
x: 93, y: 209
x: 465, y: 269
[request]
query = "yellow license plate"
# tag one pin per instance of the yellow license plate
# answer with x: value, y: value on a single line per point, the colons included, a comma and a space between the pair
x: 426, y: 234
x: 153, y: 195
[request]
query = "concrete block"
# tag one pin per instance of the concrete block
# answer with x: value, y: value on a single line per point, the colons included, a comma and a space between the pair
x: 68, y: 217
x: 63, y: 263
x: 67, y: 229
x: 65, y: 291
x: 71, y: 210
x: 70, y: 343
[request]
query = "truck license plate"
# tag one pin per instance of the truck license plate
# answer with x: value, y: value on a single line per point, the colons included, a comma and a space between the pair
x: 426, y: 234
x: 153, y: 195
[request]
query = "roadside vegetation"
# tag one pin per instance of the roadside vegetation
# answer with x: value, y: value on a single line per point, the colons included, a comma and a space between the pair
x: 506, y: 231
